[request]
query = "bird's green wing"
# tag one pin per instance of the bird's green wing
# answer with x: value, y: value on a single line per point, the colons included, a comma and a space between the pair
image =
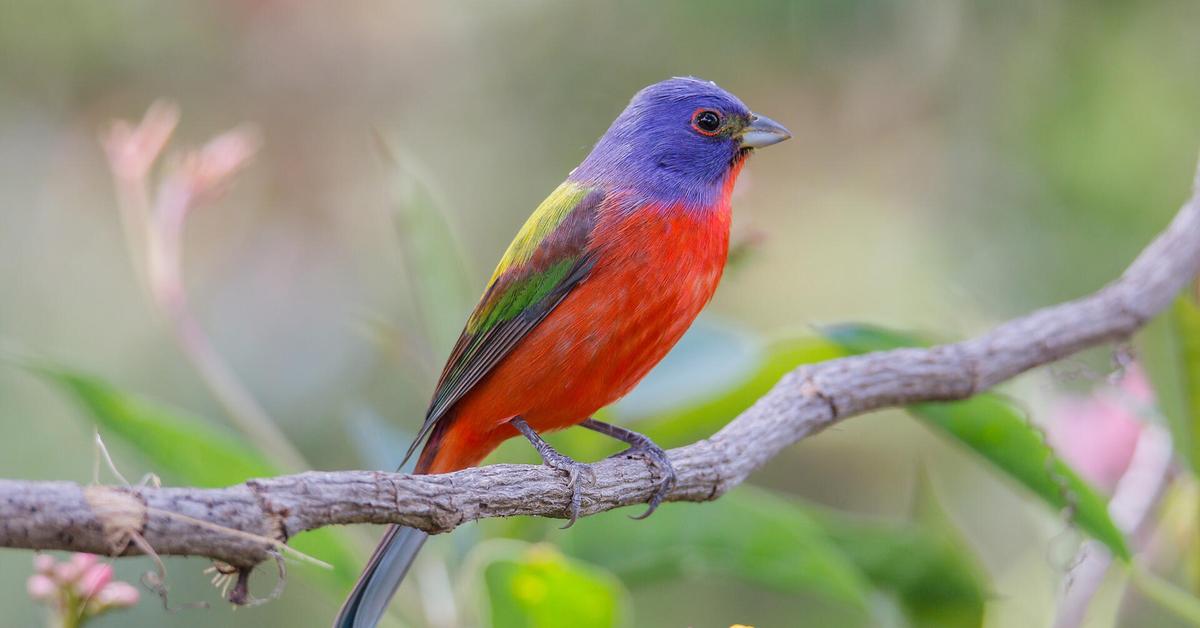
x: 549, y: 257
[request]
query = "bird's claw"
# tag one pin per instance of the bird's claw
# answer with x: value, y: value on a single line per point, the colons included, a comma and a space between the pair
x: 657, y: 459
x: 574, y: 469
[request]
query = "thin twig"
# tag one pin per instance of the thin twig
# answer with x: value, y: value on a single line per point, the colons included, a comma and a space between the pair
x: 1138, y: 490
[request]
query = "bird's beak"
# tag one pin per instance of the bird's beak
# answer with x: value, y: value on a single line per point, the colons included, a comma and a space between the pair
x: 763, y: 131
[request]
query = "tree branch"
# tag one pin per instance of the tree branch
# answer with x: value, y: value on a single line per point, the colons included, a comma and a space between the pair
x: 242, y: 525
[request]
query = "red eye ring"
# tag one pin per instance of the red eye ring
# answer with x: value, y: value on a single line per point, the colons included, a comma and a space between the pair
x: 707, y: 122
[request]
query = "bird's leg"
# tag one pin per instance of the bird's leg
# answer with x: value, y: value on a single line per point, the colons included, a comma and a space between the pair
x: 640, y: 444
x: 555, y: 460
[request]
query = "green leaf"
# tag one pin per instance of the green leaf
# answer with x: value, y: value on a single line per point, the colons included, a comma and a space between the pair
x: 994, y: 429
x: 935, y: 581
x: 744, y: 535
x: 538, y: 587
x: 1185, y: 426
x: 180, y: 447
x: 927, y: 565
x: 788, y: 546
x: 856, y: 338
x: 190, y: 451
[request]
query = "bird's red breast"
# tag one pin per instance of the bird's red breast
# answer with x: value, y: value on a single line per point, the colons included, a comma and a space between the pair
x: 658, y: 266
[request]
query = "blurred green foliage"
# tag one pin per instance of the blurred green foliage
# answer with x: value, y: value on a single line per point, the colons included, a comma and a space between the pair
x: 1185, y: 424
x: 797, y: 548
x: 187, y: 451
x: 537, y: 587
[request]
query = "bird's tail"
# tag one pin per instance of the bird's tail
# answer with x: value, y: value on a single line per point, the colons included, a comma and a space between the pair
x: 380, y: 578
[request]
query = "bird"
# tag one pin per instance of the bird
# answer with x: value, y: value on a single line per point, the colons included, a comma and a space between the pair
x: 602, y: 280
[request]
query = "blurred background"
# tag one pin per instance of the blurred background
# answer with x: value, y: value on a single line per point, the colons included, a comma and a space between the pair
x: 953, y: 164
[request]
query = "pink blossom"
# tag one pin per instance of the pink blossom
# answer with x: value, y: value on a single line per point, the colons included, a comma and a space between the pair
x: 44, y: 564
x: 203, y: 174
x: 79, y: 587
x: 83, y: 560
x: 73, y: 569
x: 1096, y: 435
x: 94, y: 580
x: 118, y: 595
x: 132, y: 150
x: 41, y: 587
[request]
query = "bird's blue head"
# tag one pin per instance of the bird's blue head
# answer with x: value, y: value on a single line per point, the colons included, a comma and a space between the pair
x: 678, y: 141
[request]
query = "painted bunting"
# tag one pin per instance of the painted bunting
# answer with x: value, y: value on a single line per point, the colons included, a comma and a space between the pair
x: 603, y: 279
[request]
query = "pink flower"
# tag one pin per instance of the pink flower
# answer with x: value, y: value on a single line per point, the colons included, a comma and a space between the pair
x: 132, y: 150
x: 222, y: 157
x: 44, y: 564
x: 118, y: 595
x: 41, y: 587
x: 1097, y: 435
x: 94, y: 580
x: 197, y: 177
x: 72, y: 570
x: 79, y: 587
x: 202, y: 174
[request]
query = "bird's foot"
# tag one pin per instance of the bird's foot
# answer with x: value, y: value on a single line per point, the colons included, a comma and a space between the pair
x: 554, y: 459
x: 640, y: 445
x: 657, y: 459
x: 573, y: 468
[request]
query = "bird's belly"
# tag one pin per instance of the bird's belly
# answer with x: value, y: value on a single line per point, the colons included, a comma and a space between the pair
x: 597, y: 352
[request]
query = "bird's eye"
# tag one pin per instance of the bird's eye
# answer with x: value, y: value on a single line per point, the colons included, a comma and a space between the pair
x: 706, y: 121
